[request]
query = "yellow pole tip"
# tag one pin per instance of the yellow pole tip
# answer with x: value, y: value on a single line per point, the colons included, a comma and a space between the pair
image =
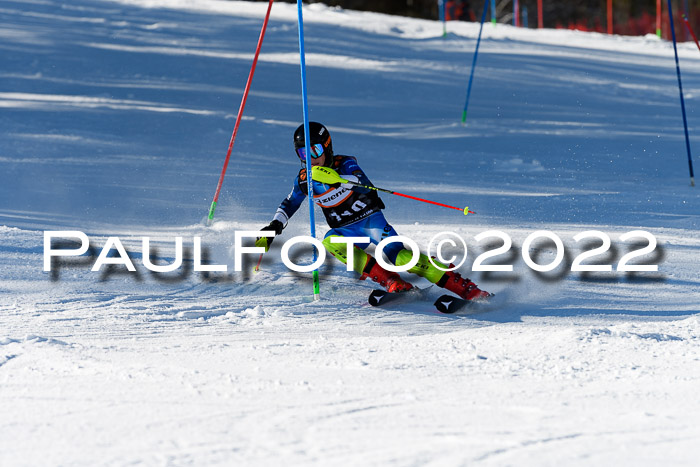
x: 466, y: 210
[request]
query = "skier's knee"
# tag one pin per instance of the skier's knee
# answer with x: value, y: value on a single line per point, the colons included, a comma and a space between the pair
x: 340, y: 252
x: 423, y: 267
x: 336, y: 249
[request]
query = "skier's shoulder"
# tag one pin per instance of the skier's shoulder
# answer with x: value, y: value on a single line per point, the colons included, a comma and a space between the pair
x: 300, y: 182
x: 301, y: 176
x: 341, y: 161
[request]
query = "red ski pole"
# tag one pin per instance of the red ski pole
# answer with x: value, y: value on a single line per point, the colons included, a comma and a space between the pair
x: 464, y: 210
x: 210, y: 218
x: 329, y: 176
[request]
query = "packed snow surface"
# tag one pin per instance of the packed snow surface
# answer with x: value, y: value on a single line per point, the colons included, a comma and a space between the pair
x: 115, y: 119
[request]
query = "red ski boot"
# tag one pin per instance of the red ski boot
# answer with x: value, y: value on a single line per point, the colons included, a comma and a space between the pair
x: 461, y: 286
x: 391, y: 281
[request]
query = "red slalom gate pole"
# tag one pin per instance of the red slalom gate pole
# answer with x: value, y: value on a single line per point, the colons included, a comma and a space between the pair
x: 690, y: 30
x: 210, y: 218
x: 658, y: 18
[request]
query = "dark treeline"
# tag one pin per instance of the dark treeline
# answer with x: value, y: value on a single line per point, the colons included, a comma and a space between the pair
x: 632, y: 17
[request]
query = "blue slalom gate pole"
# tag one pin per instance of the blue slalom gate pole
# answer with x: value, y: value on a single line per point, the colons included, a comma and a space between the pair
x: 494, y: 20
x: 441, y: 14
x: 476, y: 53
x: 309, y: 180
x: 680, y: 89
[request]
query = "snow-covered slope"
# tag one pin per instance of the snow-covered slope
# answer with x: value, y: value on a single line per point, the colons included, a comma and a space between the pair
x: 115, y: 120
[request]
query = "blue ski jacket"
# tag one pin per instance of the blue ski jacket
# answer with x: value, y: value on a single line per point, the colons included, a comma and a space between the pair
x: 341, y: 206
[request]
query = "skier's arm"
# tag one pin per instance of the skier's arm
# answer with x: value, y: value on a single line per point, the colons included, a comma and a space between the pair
x: 351, y: 171
x: 292, y: 202
x: 265, y: 242
x: 285, y: 211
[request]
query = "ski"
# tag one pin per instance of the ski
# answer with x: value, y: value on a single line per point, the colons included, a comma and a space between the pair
x: 380, y: 297
x: 449, y: 304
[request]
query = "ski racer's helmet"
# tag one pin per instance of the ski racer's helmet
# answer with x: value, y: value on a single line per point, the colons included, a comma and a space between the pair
x: 320, y: 142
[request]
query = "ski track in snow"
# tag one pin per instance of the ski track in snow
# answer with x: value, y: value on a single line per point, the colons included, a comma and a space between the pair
x: 115, y: 120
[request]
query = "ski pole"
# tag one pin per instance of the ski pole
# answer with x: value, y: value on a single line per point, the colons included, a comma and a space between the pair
x: 210, y: 217
x: 330, y: 177
x: 257, y: 266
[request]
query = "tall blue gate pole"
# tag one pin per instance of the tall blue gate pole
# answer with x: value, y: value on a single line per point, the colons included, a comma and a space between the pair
x: 309, y: 178
x: 476, y: 53
x: 441, y: 14
x: 493, y: 12
x: 680, y: 89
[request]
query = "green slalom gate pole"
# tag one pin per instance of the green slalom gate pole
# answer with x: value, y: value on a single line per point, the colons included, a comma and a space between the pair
x: 212, y: 208
x: 330, y: 177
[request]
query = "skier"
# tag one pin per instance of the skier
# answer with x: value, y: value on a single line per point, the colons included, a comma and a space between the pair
x: 353, y: 211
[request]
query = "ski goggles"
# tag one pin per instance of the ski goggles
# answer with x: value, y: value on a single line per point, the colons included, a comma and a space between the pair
x: 316, y: 151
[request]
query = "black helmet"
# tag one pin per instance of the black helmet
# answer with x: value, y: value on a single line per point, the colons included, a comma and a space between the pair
x: 319, y: 135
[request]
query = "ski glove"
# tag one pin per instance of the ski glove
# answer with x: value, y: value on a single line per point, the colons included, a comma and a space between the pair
x: 265, y: 242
